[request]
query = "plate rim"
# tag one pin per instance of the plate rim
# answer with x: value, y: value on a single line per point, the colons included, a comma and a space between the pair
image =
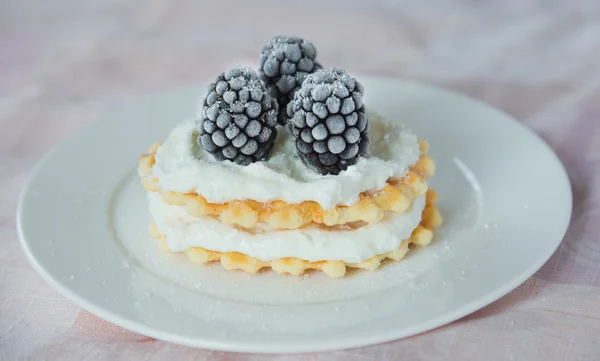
x: 284, y: 347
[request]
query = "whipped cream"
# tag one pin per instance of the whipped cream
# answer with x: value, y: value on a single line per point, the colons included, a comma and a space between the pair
x: 311, y: 243
x: 185, y: 167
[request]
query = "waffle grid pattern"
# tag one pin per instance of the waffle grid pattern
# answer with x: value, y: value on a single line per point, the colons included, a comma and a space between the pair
x: 397, y: 196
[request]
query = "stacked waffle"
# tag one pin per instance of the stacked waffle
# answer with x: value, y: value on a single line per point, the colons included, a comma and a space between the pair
x: 336, y: 187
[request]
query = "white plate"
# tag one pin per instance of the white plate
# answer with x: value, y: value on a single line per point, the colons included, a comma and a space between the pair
x: 504, y: 195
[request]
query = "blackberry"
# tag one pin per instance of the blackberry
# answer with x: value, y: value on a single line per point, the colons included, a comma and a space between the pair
x: 327, y: 117
x: 238, y: 118
x: 284, y: 63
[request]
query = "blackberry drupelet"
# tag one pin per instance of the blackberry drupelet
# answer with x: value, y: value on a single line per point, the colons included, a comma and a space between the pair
x: 284, y: 63
x: 238, y: 118
x: 328, y: 119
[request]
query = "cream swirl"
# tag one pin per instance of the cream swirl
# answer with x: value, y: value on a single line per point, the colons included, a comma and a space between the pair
x: 184, y: 166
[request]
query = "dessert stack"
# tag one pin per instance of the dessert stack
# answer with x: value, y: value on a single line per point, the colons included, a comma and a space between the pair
x: 286, y: 169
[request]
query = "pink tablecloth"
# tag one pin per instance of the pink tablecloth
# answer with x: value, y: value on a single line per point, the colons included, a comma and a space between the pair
x: 65, y: 63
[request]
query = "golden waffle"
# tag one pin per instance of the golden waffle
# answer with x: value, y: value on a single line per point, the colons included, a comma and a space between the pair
x: 397, y: 196
x: 421, y: 236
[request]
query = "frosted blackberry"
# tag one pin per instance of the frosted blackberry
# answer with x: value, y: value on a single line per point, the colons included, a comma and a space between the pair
x: 238, y: 118
x: 284, y: 63
x: 328, y: 119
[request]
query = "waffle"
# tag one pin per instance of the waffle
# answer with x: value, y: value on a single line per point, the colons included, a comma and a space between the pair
x: 397, y: 196
x: 421, y: 236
